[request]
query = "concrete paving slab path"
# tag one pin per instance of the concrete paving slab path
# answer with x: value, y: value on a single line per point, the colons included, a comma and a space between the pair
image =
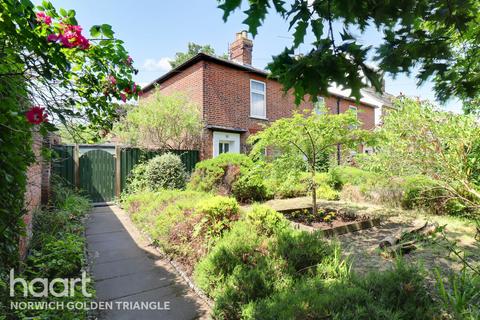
x: 131, y: 277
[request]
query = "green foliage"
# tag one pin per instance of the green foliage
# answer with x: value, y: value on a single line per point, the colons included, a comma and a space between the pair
x: 266, y: 221
x: 220, y: 173
x: 302, y: 250
x: 250, y: 187
x: 57, y: 251
x: 66, y: 79
x: 342, y: 175
x: 308, y: 137
x: 165, y: 172
x: 136, y: 179
x: 447, y: 154
x: 399, y: 293
x: 460, y: 294
x: 439, y: 38
x: 183, y: 224
x: 218, y: 213
x: 163, y: 122
x: 239, y: 269
x: 193, y: 50
x: 15, y: 156
x: 259, y: 256
x: 62, y: 258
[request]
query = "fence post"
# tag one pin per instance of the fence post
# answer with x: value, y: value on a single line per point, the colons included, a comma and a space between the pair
x: 118, y: 168
x: 76, y: 165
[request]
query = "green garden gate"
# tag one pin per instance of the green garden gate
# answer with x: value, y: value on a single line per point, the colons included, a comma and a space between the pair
x: 97, y: 174
x: 101, y: 171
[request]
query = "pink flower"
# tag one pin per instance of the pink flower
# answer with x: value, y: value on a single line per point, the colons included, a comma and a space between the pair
x: 36, y: 115
x: 71, y: 36
x: 123, y: 97
x: 52, y: 37
x: 42, y: 17
x: 129, y: 61
x: 112, y: 79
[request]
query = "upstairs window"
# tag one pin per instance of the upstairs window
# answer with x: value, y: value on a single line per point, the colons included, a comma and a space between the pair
x: 355, y: 111
x: 319, y: 106
x: 258, y: 99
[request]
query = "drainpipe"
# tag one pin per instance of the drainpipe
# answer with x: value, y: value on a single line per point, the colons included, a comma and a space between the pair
x: 338, y: 146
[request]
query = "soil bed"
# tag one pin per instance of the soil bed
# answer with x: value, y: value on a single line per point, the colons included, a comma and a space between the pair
x: 331, y: 221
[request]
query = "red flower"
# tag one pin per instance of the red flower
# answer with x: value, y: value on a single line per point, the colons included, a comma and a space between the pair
x: 112, y: 80
x: 70, y: 37
x: 123, y: 97
x: 52, y: 37
x: 42, y: 17
x: 36, y: 115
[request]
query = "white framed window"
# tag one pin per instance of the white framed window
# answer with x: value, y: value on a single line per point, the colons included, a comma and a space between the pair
x: 354, y: 109
x: 319, y: 106
x: 224, y: 147
x: 225, y: 142
x: 258, y: 99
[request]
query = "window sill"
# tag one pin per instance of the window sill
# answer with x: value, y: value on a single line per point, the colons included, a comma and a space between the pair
x: 258, y: 118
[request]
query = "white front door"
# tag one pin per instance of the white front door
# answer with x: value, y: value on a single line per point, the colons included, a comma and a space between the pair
x: 225, y: 142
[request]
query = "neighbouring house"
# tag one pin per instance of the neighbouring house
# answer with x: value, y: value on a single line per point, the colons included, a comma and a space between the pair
x: 236, y: 99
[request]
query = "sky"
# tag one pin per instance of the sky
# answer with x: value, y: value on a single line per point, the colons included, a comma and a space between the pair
x: 154, y: 30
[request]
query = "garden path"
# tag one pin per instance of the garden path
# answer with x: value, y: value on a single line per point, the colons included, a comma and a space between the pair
x: 128, y: 271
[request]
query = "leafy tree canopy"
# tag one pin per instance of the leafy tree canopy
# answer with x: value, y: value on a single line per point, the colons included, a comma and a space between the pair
x: 440, y: 37
x: 161, y: 122
x: 419, y: 139
x: 193, y: 50
x: 68, y: 72
x: 307, y: 137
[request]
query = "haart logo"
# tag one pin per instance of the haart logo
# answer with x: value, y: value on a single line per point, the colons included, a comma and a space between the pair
x: 43, y: 287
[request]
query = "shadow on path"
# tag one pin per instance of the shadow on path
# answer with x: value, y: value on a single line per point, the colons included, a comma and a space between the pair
x: 127, y: 272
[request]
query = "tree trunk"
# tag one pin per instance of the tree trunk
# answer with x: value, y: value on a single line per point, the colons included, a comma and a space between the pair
x: 314, y: 195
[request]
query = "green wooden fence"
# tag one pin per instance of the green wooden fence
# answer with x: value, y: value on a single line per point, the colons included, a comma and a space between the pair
x: 64, y: 162
x: 129, y: 157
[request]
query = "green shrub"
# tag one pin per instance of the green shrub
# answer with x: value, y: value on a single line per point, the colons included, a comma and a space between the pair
x: 460, y: 294
x: 137, y: 179
x: 416, y: 190
x: 250, y: 187
x: 165, y: 172
x: 290, y: 186
x: 399, y: 293
x: 342, y: 175
x: 266, y: 221
x: 183, y: 224
x: 259, y: 256
x: 302, y: 250
x: 58, y: 258
x: 239, y: 269
x: 218, y: 213
x: 220, y: 173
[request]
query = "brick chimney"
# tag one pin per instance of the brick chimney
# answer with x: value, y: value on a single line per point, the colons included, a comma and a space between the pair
x: 241, y: 49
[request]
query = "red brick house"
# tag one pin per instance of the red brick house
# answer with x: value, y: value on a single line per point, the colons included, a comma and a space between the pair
x: 236, y: 99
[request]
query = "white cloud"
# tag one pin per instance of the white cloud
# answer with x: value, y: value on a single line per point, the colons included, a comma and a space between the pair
x: 161, y: 64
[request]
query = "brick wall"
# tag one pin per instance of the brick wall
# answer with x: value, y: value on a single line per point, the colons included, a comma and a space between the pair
x: 227, y: 103
x: 223, y: 95
x: 33, y: 194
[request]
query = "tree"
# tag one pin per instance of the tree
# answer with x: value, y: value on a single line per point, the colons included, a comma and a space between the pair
x: 162, y: 122
x: 307, y: 137
x: 440, y: 37
x: 193, y: 50
x: 420, y: 139
x: 49, y: 72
